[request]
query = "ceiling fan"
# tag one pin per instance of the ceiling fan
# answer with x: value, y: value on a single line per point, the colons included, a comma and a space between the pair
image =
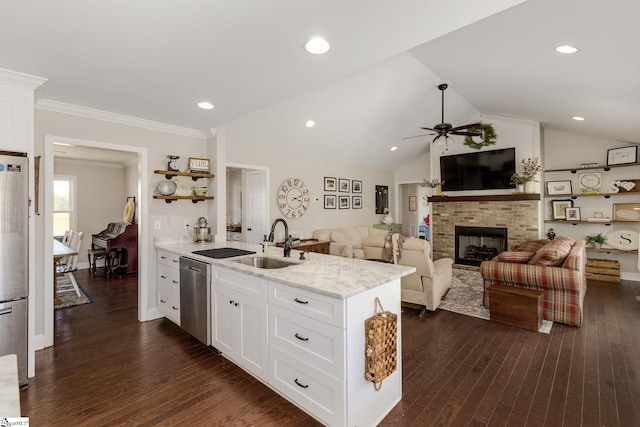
x: 445, y: 129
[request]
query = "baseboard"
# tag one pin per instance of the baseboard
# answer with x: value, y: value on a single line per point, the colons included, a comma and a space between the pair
x: 39, y: 342
x: 630, y: 276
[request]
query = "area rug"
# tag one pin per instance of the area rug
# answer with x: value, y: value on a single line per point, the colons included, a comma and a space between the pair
x: 465, y: 297
x: 69, y: 298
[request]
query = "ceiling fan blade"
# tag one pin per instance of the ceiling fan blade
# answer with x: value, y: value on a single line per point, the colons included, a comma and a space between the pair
x: 466, y: 133
x: 472, y: 125
x: 432, y: 130
x: 436, y: 138
x: 417, y: 136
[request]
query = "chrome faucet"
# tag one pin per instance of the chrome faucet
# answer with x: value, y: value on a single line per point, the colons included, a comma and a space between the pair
x: 287, y: 238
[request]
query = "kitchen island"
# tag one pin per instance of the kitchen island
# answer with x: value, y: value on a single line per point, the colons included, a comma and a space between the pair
x: 300, y: 329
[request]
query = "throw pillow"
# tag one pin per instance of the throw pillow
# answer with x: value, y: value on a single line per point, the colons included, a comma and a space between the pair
x: 552, y: 254
x: 516, y: 257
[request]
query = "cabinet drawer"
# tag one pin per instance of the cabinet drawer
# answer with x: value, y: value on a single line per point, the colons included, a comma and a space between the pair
x: 241, y: 282
x: 316, y: 306
x: 169, y: 302
x: 314, y: 391
x: 168, y: 276
x: 315, y: 342
x: 169, y: 259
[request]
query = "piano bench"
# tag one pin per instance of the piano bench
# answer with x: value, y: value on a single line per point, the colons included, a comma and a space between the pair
x: 94, y: 255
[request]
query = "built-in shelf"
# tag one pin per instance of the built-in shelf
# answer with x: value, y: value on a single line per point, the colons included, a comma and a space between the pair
x: 564, y: 221
x: 485, y: 198
x: 605, y: 195
x: 611, y: 250
x: 602, y: 167
x: 194, y: 199
x: 194, y: 175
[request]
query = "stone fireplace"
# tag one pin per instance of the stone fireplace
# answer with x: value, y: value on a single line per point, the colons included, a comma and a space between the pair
x: 519, y: 214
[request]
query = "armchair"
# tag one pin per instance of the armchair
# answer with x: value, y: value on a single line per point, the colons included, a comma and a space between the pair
x: 431, y: 280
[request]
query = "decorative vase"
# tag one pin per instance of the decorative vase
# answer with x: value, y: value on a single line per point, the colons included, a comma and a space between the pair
x: 387, y: 220
x: 596, y: 245
x: 520, y: 188
x: 530, y: 187
x: 439, y: 190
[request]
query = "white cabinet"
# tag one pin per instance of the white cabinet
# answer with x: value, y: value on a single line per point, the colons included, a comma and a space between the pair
x: 239, y: 329
x: 234, y: 236
x: 168, y: 285
x: 317, y: 352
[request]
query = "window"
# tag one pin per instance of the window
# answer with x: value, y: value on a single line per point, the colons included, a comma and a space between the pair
x: 64, y: 204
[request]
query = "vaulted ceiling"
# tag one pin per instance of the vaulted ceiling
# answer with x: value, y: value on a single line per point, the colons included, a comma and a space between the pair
x: 377, y: 85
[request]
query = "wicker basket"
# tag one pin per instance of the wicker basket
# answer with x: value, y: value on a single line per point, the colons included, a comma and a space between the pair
x: 381, y: 355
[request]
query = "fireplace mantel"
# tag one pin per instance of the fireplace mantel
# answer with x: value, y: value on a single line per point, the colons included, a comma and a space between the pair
x: 486, y: 198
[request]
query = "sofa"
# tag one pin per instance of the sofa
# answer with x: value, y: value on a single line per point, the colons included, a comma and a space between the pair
x: 364, y: 241
x: 557, y: 268
x: 431, y: 280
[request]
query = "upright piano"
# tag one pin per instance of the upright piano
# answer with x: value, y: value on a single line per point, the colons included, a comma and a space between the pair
x: 119, y: 235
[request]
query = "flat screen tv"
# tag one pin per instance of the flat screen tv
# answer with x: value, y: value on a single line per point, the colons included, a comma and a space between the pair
x: 484, y: 170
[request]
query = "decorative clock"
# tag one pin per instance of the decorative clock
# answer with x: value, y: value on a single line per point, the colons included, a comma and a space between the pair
x: 293, y: 198
x: 172, y: 164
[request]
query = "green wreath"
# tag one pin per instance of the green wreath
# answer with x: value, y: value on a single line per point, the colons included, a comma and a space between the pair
x: 488, y: 136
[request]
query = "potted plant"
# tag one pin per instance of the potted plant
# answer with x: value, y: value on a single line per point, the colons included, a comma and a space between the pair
x: 529, y: 168
x: 519, y: 180
x: 596, y: 240
x: 435, y: 183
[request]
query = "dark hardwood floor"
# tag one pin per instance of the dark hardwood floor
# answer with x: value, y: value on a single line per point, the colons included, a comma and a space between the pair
x: 106, y: 368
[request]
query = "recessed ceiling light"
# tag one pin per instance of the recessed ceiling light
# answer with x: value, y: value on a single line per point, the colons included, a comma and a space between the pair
x: 310, y: 123
x: 578, y: 118
x: 205, y: 105
x: 317, y: 46
x: 62, y: 144
x: 566, y: 49
x: 394, y: 148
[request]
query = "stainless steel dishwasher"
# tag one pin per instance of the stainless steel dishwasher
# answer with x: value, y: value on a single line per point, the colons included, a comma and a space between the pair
x: 195, y: 298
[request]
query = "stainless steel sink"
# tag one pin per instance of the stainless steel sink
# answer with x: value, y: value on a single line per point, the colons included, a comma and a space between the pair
x: 265, y: 262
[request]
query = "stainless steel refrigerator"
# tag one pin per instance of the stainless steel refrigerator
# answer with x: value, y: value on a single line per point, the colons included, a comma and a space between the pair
x: 14, y: 257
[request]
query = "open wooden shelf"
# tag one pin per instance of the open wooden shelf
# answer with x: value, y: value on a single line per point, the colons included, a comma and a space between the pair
x: 194, y: 175
x: 194, y: 199
x: 611, y: 250
x: 601, y: 167
x: 564, y: 221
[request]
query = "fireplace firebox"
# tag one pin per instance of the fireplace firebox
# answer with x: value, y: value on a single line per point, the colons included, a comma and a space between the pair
x: 476, y: 244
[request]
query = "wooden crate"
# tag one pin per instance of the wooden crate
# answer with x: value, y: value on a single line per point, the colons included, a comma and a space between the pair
x: 604, y: 270
x: 516, y: 306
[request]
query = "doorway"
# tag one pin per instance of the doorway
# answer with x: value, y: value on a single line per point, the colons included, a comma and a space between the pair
x: 101, y: 152
x: 247, y: 202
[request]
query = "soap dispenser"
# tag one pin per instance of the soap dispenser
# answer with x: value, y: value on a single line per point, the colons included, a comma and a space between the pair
x: 265, y: 245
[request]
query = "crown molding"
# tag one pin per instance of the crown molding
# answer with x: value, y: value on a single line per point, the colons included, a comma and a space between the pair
x: 92, y: 113
x: 83, y: 162
x: 21, y: 79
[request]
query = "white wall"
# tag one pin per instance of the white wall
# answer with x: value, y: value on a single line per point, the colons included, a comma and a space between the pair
x: 241, y: 148
x: 157, y: 145
x: 565, y: 150
x: 101, y: 197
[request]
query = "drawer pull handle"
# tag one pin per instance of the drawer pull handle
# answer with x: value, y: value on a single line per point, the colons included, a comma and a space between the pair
x: 175, y: 260
x: 174, y: 307
x: 175, y: 281
x: 300, y: 338
x: 7, y: 310
x: 300, y: 301
x: 230, y: 302
x: 236, y: 304
x: 164, y: 301
x: 163, y: 257
x: 300, y: 385
x: 164, y: 277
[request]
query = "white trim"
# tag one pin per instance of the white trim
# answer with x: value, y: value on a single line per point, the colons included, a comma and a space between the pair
x: 92, y: 113
x: 630, y: 276
x: 143, y: 245
x: 81, y: 162
x: 21, y: 79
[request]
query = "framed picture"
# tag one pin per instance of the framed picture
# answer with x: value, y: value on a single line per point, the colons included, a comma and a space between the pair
x: 555, y: 188
x: 198, y: 165
x: 622, y: 156
x: 559, y: 208
x: 413, y: 203
x: 590, y: 183
x: 343, y: 185
x: 329, y: 201
x: 572, y: 214
x: 356, y: 186
x: 344, y: 202
x: 626, y: 211
x: 356, y: 202
x: 329, y: 183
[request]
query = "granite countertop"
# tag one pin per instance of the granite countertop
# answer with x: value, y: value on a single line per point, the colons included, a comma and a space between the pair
x: 324, y: 274
x: 9, y: 388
